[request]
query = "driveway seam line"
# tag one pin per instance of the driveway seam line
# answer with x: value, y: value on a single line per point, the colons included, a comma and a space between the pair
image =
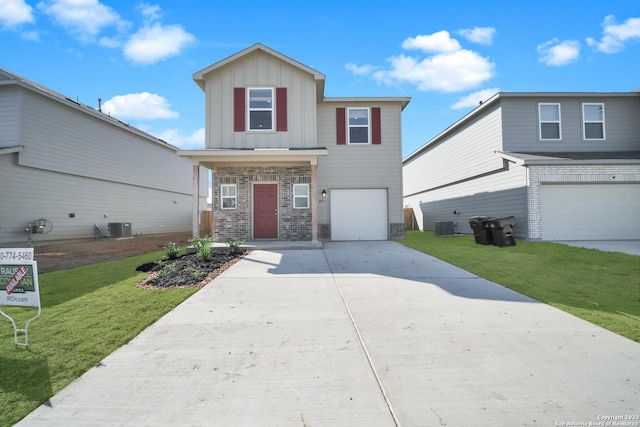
x: 362, y: 344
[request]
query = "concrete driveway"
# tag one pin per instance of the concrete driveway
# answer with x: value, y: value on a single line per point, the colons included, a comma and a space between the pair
x: 356, y: 334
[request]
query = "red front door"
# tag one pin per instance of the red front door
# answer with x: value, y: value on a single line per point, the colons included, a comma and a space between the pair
x: 265, y: 211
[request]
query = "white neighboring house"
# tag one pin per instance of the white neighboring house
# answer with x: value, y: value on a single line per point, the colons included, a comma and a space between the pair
x: 566, y: 165
x: 77, y: 168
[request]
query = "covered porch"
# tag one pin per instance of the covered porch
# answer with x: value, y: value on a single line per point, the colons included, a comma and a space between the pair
x: 260, y: 193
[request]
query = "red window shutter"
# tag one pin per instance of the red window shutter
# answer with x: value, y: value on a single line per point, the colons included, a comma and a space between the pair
x: 239, y: 114
x: 281, y: 109
x: 376, y: 134
x: 341, y: 131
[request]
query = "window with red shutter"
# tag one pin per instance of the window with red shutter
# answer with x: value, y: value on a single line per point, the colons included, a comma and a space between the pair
x: 239, y: 115
x: 281, y: 109
x: 341, y: 130
x: 376, y: 133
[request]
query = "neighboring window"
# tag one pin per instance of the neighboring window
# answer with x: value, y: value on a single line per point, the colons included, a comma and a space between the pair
x: 358, y: 126
x: 300, y: 196
x: 593, y: 119
x: 549, y: 121
x: 261, y: 109
x: 229, y: 196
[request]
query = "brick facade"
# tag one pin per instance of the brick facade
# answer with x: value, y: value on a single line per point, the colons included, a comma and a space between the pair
x: 237, y: 224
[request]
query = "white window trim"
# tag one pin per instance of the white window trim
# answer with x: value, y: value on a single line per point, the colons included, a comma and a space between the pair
x: 540, y: 121
x: 299, y: 197
x: 359, y: 126
x: 223, y: 197
x: 272, y: 109
x: 584, y: 122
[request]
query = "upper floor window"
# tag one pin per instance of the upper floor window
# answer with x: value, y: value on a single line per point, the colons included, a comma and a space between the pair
x: 549, y: 115
x: 300, y: 196
x: 359, y: 131
x: 229, y: 196
x: 260, y: 109
x: 593, y: 121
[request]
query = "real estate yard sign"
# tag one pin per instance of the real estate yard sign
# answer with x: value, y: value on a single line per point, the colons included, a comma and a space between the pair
x: 19, y: 285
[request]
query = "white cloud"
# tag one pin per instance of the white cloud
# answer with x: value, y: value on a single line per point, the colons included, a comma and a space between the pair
x: 177, y: 138
x: 474, y: 99
x: 151, y: 12
x: 359, y: 70
x: 557, y: 53
x: 451, y: 72
x: 446, y: 67
x: 14, y: 13
x: 139, y: 106
x: 436, y: 43
x: 480, y: 35
x: 86, y: 18
x: 156, y: 43
x: 615, y: 35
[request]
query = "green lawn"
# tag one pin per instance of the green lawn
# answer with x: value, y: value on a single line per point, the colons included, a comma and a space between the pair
x: 601, y: 287
x: 87, y: 313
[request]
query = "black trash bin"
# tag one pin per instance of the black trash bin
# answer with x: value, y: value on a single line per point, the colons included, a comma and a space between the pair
x: 502, y: 230
x: 481, y: 230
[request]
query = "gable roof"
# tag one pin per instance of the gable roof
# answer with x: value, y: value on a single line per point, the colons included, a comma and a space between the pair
x: 198, y: 76
x: 8, y: 78
x: 496, y: 98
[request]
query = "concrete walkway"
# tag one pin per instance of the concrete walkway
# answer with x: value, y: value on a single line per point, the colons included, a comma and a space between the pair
x: 356, y: 334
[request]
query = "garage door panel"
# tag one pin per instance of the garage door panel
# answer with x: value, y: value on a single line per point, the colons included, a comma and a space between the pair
x: 359, y: 214
x: 590, y: 211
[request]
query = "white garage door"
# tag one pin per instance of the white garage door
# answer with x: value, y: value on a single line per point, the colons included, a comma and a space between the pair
x: 359, y: 214
x: 590, y: 212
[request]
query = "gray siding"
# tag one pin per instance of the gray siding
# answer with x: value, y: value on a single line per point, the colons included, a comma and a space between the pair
x: 9, y: 106
x: 466, y: 154
x: 261, y: 70
x: 35, y: 193
x: 521, y: 133
x: 75, y: 163
x: 498, y: 195
x: 59, y: 138
x: 367, y: 166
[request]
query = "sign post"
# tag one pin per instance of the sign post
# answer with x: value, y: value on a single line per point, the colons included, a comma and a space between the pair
x: 19, y: 285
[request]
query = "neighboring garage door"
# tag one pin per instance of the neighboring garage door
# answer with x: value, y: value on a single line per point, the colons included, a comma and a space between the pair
x: 590, y: 212
x: 359, y: 214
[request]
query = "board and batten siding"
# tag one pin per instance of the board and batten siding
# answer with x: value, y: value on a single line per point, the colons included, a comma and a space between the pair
x: 9, y: 113
x: 521, y: 125
x: 260, y: 70
x: 361, y: 166
x: 62, y: 139
x: 467, y: 153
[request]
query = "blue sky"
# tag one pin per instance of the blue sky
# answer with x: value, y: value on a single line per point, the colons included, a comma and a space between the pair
x: 138, y: 57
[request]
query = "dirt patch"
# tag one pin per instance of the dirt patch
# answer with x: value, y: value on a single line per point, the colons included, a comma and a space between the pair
x: 60, y: 255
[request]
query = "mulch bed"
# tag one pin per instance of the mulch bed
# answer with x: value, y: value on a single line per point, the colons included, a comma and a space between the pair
x: 187, y: 271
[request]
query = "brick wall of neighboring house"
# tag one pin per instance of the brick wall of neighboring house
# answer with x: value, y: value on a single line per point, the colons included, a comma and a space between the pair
x: 580, y: 174
x: 236, y: 224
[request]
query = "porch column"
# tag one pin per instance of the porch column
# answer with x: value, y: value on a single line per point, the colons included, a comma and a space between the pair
x: 195, y: 215
x: 314, y: 201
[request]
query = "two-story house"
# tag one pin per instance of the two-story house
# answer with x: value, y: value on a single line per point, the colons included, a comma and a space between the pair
x: 566, y: 165
x: 289, y: 163
x: 67, y: 168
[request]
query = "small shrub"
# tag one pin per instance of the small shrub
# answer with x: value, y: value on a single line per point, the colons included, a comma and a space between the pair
x: 233, y: 247
x: 172, y: 250
x: 202, y: 246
